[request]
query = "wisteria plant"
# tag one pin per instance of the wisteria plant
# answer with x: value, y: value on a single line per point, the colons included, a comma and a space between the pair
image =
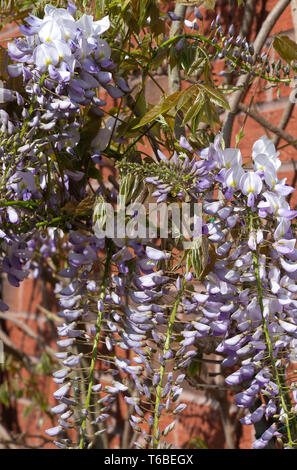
x: 87, y: 165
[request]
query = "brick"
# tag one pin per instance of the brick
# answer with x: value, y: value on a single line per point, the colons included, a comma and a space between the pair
x: 26, y: 297
x: 285, y: 22
x: 9, y: 31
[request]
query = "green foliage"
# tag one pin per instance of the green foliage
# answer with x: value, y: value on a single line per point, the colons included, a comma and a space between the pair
x: 4, y: 394
x: 196, y: 443
x: 239, y: 136
x: 45, y: 365
x: 210, y: 4
x: 286, y: 48
x: 197, y: 257
x: 166, y: 104
x: 201, y: 108
x: 194, y: 368
x: 132, y: 188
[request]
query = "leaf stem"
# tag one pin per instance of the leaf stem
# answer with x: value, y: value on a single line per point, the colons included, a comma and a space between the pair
x: 156, y: 436
x: 203, y: 39
x: 95, y: 345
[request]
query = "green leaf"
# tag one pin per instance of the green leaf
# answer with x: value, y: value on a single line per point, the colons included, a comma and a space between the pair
x: 216, y: 96
x: 239, y: 136
x: 188, y: 94
x: 198, y: 117
x: 143, y: 13
x: 209, y: 4
x: 27, y: 410
x: 99, y: 8
x: 157, y: 25
x: 193, y: 368
x: 4, y: 398
x: 166, y: 103
x: 159, y: 57
x: 94, y: 173
x: 196, y: 66
x: 210, y: 116
x: 186, y: 2
x: 132, y: 188
x: 195, y: 443
x: 135, y: 8
x: 125, y: 4
x: 195, y: 109
x: 145, y: 44
x: 44, y: 366
x: 286, y: 48
x: 188, y: 55
x: 140, y: 103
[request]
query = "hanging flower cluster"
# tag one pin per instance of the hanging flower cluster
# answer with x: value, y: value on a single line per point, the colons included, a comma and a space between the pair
x: 246, y: 301
x: 72, y: 54
x: 249, y: 295
x: 64, y: 65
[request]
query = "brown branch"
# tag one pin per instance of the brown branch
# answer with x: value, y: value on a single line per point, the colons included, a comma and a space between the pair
x: 294, y: 16
x: 268, y: 125
x: 19, y: 441
x: 290, y: 106
x: 5, y: 437
x: 28, y: 331
x: 174, y: 76
x: 284, y: 120
x: 247, y: 19
x: 28, y: 361
x: 132, y: 105
x: 243, y: 81
x: 214, y: 389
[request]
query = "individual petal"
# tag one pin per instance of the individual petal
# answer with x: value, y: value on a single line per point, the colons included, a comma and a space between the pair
x: 49, y: 31
x: 61, y: 392
x: 154, y: 254
x: 288, y: 327
x: 54, y: 431
x: 45, y: 55
x: 14, y: 70
x: 232, y: 157
x: 254, y: 417
x: 284, y: 246
x: 250, y: 182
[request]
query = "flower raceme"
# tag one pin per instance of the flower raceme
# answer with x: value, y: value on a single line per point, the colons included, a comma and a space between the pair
x: 247, y: 300
x: 57, y: 42
x: 64, y: 63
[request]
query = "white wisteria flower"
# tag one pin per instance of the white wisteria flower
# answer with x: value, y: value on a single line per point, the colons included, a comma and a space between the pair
x: 251, y: 185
